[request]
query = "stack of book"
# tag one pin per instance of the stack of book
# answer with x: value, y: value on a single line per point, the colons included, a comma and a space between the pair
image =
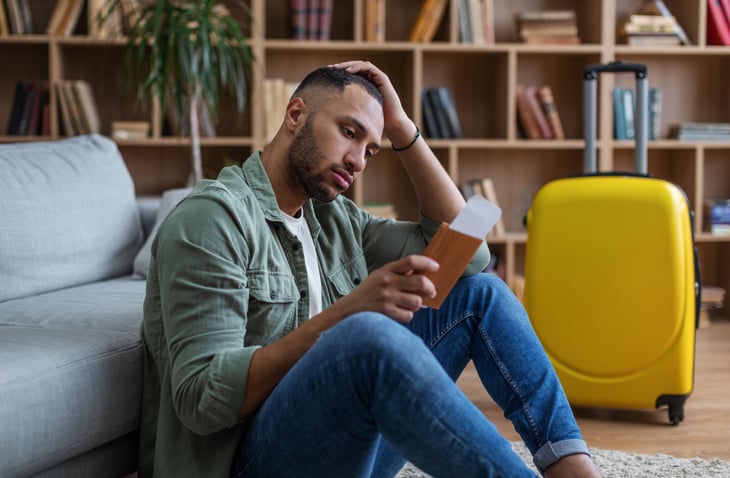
x: 130, y: 130
x: 653, y: 24
x: 537, y: 113
x: 717, y: 216
x: 476, y: 21
x: 18, y: 19
x: 29, y: 112
x: 311, y: 19
x: 624, y: 113
x: 79, y: 114
x: 650, y: 30
x: 698, y: 131
x: 548, y: 27
x: 440, y: 119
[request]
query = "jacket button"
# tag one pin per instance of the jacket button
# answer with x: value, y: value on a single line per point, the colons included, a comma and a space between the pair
x: 272, y: 295
x: 356, y: 281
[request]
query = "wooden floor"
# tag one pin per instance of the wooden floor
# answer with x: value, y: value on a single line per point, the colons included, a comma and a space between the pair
x: 705, y: 431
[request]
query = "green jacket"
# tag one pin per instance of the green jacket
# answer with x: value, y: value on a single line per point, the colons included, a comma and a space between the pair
x: 226, y: 277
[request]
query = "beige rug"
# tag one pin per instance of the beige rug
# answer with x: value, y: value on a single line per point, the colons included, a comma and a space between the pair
x: 617, y: 464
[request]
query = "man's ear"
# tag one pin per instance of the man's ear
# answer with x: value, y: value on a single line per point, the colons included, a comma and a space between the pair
x: 296, y: 114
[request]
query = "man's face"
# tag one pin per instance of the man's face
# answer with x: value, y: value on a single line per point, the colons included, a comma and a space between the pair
x: 332, y: 147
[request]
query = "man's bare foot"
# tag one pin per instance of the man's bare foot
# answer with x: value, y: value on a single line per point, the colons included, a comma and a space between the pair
x: 573, y: 466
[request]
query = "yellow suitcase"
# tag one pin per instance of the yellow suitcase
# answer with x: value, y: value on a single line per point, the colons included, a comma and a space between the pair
x: 612, y: 287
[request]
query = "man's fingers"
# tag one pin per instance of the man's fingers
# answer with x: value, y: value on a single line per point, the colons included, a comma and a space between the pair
x: 414, y: 264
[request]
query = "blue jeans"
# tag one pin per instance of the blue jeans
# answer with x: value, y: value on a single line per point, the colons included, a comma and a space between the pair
x: 372, y: 393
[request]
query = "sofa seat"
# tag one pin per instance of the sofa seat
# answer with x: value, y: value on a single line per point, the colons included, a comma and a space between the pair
x: 71, y: 378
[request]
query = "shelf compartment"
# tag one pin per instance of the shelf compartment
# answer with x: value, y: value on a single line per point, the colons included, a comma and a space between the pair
x: 478, y: 84
x: 517, y: 175
x: 588, y: 18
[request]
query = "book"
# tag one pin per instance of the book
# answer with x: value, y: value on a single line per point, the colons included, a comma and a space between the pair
x: 655, y: 113
x: 474, y: 12
x: 59, y: 11
x: 16, y: 110
x: 463, y: 12
x: 4, y: 27
x: 536, y: 111
x: 548, y: 27
x: 441, y: 119
x: 26, y: 16
x: 488, y: 20
x: 446, y: 102
x: 313, y: 19
x: 550, y: 109
x: 129, y: 130
x: 627, y: 96
x: 324, y: 14
x: 718, y: 29
x: 430, y: 122
x: 525, y: 115
x: 619, y: 119
x: 70, y: 18
x: 490, y: 194
x: 657, y: 7
x: 88, y: 111
x: 454, y: 245
x: 65, y: 112
x: 298, y: 19
x: 14, y: 16
x: 428, y: 20
x: 374, y: 20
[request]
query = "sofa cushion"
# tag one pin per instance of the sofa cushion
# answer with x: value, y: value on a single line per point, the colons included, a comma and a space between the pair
x: 71, y: 372
x: 68, y: 213
x: 170, y: 199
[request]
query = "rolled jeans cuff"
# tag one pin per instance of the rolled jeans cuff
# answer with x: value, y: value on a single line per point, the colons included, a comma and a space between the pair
x: 549, y: 453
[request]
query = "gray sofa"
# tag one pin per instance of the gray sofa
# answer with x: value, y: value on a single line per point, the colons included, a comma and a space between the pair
x: 72, y: 231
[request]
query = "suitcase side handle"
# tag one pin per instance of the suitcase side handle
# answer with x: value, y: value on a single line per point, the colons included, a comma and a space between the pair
x: 590, y: 75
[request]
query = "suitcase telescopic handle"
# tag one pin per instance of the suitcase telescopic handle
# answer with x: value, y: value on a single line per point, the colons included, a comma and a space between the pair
x: 590, y: 75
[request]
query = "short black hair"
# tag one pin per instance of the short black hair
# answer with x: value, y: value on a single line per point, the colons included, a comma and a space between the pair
x: 337, y: 79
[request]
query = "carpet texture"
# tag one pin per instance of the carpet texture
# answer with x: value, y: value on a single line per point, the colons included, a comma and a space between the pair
x: 617, y: 464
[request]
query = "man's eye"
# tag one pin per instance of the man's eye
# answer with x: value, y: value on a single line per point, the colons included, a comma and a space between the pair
x: 348, y: 132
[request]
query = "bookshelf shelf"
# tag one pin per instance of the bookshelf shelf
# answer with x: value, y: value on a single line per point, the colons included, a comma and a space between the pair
x: 483, y: 79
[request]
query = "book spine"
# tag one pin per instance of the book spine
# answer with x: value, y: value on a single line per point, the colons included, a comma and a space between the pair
x: 325, y: 19
x: 718, y: 30
x: 488, y: 20
x: 430, y: 123
x: 17, y: 109
x: 374, y: 20
x: 619, y: 120
x: 547, y: 100
x: 655, y: 113
x: 298, y: 19
x: 440, y: 113
x: 628, y: 103
x: 527, y: 120
x: 312, y: 19
x: 446, y: 100
x: 536, y: 108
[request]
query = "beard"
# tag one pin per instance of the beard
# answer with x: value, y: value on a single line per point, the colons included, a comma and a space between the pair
x: 305, y: 159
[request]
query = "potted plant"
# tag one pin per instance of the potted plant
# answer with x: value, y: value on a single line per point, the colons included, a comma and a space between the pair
x: 191, y: 48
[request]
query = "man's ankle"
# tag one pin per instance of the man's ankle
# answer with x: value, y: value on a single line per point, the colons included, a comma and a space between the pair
x: 573, y: 466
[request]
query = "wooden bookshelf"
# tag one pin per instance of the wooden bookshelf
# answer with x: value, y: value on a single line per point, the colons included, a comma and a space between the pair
x: 483, y: 79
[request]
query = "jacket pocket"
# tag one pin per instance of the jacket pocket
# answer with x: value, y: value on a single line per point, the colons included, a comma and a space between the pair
x: 349, y: 276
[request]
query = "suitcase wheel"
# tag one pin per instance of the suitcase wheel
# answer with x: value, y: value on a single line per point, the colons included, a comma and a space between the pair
x: 676, y: 406
x: 676, y: 414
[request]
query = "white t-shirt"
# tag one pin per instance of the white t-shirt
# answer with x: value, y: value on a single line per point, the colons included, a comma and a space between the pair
x: 299, y: 227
